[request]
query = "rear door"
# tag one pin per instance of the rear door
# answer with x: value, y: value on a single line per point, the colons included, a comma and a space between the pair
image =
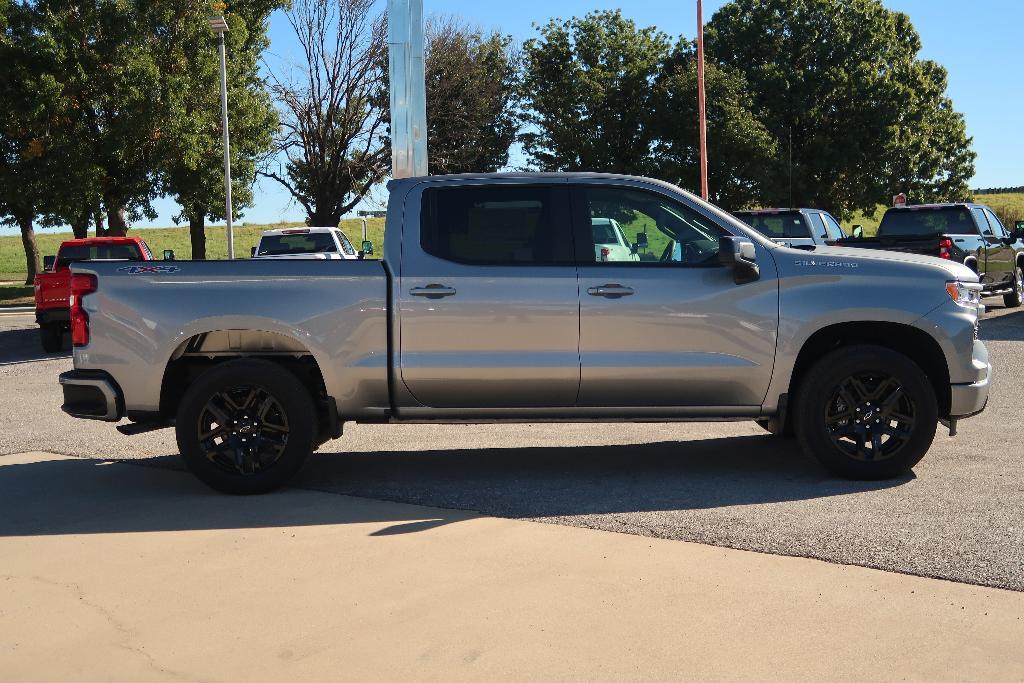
x: 671, y: 329
x: 488, y: 297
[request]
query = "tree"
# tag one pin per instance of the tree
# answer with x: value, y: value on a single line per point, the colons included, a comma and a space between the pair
x: 589, y: 83
x: 740, y: 148
x: 472, y: 98
x: 332, y: 106
x: 839, y: 82
x: 191, y: 151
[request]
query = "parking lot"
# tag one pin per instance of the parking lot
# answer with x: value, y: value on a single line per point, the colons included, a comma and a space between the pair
x: 960, y: 517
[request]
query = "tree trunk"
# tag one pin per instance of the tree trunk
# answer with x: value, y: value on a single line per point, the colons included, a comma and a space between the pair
x: 97, y: 217
x: 197, y: 233
x: 116, y: 224
x: 80, y: 226
x: 28, y: 240
x: 323, y: 219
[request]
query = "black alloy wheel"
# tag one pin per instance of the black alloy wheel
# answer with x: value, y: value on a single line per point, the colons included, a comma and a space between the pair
x: 870, y: 417
x: 242, y: 430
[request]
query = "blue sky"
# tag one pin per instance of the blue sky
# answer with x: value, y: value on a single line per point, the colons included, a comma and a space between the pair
x: 978, y: 42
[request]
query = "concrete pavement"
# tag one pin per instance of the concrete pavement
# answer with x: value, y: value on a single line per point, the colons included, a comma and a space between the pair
x: 115, y: 572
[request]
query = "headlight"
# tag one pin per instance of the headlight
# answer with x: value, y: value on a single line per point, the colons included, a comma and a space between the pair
x: 964, y: 293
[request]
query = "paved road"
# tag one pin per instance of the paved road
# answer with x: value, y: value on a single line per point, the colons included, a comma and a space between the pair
x: 960, y: 517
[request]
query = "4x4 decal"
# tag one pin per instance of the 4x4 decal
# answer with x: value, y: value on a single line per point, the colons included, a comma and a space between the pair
x: 151, y: 270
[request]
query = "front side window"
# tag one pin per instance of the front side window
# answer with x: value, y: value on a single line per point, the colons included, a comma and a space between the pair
x: 497, y: 225
x: 640, y: 227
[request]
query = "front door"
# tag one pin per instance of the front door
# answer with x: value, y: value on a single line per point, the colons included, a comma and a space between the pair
x: 1001, y: 264
x: 669, y: 327
x: 488, y: 298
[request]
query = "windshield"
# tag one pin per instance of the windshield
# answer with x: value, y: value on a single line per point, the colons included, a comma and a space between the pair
x: 310, y: 243
x: 74, y: 253
x: 777, y: 225
x: 950, y: 220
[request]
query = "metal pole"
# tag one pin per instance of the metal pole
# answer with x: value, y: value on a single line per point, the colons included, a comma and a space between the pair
x: 227, y: 147
x: 364, y: 229
x: 701, y: 111
x: 408, y: 89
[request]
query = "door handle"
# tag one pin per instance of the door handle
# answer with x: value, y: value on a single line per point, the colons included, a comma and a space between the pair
x: 610, y: 291
x: 433, y: 291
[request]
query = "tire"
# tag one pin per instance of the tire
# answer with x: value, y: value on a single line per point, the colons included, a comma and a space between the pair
x: 51, y: 335
x: 246, y: 426
x: 844, y: 386
x: 1014, y: 298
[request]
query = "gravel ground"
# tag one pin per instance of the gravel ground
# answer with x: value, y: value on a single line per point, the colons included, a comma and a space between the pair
x: 959, y: 517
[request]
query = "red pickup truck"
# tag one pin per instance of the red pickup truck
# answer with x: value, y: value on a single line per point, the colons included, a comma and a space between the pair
x: 53, y: 285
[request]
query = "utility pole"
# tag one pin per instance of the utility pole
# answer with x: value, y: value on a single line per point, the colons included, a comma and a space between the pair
x: 701, y: 111
x: 408, y: 89
x: 220, y: 27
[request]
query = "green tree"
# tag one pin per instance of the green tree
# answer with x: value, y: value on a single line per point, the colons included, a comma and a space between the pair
x: 740, y: 148
x: 590, y: 89
x: 839, y: 82
x: 191, y: 151
x: 472, y: 98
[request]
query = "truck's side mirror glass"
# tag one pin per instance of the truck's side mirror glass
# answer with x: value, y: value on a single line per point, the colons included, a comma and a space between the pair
x: 252, y: 252
x: 739, y: 254
x: 367, y: 248
x: 1019, y: 230
x: 48, y: 262
x: 858, y: 231
x: 168, y: 254
x: 641, y: 240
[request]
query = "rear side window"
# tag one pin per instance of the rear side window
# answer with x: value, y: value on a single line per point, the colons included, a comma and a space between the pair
x: 497, y: 224
x: 88, y: 252
x: 777, y: 225
x: 835, y: 231
x: 997, y: 225
x: 951, y: 220
x: 346, y: 246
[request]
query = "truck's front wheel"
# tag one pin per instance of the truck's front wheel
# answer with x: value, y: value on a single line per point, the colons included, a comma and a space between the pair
x: 246, y: 426
x: 866, y: 412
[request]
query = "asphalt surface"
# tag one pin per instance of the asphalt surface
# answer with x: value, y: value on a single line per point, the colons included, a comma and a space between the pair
x: 960, y: 516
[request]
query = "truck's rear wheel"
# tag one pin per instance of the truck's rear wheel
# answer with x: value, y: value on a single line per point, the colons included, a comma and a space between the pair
x: 246, y: 426
x: 866, y: 412
x: 51, y: 336
x: 1014, y: 298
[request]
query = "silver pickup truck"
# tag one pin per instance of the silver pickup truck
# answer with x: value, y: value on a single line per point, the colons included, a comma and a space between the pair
x: 491, y: 304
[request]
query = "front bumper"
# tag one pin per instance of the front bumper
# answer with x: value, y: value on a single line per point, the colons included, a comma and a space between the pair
x: 967, y: 400
x: 92, y: 395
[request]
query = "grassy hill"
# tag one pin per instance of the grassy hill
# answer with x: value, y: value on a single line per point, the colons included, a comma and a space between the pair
x: 12, y: 256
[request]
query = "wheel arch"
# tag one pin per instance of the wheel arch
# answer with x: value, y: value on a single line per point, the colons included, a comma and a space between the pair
x: 916, y: 344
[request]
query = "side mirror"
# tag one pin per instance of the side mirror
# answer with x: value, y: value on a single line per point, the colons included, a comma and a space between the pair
x: 252, y: 252
x: 739, y: 254
x: 48, y: 262
x: 367, y: 248
x: 168, y: 254
x: 1019, y: 231
x: 858, y: 231
x: 641, y: 240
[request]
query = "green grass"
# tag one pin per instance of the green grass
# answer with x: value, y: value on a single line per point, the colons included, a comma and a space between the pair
x: 12, y: 256
x: 1009, y: 207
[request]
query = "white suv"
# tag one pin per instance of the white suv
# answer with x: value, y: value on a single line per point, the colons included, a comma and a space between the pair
x: 327, y: 244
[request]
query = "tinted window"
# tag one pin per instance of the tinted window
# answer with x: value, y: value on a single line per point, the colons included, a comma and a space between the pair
x: 603, y: 230
x: 506, y: 224
x: 88, y: 252
x: 835, y: 231
x: 656, y: 229
x: 997, y: 225
x: 777, y: 225
x: 955, y: 220
x: 310, y: 243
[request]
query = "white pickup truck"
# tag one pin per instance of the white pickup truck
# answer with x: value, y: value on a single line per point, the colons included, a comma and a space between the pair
x: 325, y: 244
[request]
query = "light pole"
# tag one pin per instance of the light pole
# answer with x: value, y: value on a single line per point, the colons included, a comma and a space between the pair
x: 701, y: 111
x: 220, y: 27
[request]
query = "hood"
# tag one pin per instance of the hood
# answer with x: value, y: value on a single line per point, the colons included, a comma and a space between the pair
x: 953, y: 269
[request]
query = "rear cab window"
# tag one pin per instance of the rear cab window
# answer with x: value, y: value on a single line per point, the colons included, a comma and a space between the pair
x: 497, y: 224
x: 781, y: 225
x: 75, y: 253
x: 945, y: 220
x: 310, y: 243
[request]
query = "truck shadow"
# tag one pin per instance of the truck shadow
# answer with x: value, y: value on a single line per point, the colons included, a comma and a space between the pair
x: 1006, y: 327
x: 76, y: 496
x: 586, y: 480
x: 22, y: 346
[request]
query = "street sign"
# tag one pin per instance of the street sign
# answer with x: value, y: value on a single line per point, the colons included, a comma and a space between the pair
x: 899, y: 200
